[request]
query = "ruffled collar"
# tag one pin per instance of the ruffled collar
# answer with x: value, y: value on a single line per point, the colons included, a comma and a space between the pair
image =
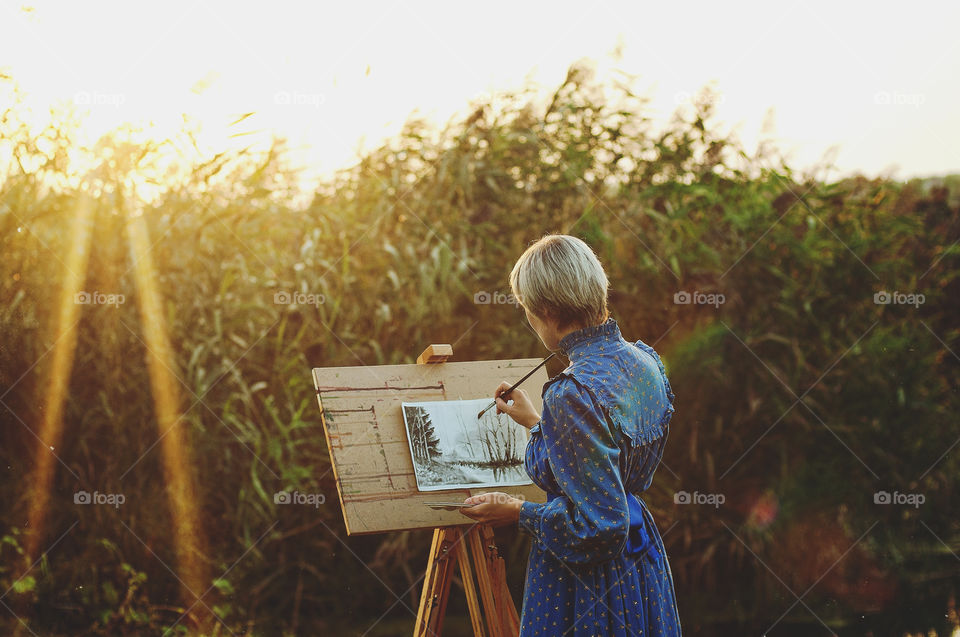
x: 577, y: 341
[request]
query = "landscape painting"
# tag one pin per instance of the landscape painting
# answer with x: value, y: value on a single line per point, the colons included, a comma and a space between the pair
x: 451, y: 448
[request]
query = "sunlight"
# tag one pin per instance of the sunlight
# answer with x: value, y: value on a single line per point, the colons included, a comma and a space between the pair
x: 189, y: 539
x: 55, y: 389
x: 333, y: 91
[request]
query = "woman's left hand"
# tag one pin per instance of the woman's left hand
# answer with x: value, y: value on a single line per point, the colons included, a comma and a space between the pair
x: 494, y: 508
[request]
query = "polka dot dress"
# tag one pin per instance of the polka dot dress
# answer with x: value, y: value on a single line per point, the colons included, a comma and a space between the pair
x: 597, y: 564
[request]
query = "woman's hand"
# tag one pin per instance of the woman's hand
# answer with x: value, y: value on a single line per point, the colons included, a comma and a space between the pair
x: 494, y: 508
x: 522, y: 410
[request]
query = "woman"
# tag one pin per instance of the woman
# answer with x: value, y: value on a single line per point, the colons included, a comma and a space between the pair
x: 597, y: 564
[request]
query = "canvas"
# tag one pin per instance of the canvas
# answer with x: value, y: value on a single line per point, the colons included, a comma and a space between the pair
x: 451, y: 448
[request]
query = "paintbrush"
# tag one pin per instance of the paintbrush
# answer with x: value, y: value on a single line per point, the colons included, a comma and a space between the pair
x: 503, y: 395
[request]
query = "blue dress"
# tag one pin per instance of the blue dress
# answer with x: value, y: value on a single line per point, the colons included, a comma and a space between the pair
x: 597, y: 564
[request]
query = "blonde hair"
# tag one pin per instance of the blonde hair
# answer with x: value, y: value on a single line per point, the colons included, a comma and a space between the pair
x: 559, y: 277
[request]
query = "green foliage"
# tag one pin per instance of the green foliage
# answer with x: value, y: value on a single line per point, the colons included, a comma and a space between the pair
x: 387, y: 257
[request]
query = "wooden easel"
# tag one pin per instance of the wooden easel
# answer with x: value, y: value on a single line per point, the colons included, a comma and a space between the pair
x: 452, y: 545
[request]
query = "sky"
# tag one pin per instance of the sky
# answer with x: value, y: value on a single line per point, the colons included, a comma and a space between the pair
x: 870, y: 87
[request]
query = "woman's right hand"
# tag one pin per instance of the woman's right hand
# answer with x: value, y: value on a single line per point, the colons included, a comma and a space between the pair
x: 522, y: 410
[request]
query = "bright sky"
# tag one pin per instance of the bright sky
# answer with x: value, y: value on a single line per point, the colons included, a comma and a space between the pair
x: 877, y: 80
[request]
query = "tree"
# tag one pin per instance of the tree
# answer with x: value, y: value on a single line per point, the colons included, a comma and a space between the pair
x: 423, y: 438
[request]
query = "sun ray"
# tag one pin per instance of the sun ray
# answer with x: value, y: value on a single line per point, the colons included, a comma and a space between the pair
x: 189, y: 540
x: 55, y: 388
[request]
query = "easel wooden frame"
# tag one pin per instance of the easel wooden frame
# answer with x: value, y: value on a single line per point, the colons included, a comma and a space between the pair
x: 370, y: 455
x: 452, y: 545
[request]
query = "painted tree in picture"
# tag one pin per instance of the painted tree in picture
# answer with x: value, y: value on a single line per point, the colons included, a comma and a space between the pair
x: 493, y: 442
x: 423, y: 438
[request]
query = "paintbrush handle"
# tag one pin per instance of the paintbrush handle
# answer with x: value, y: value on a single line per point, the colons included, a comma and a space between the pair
x: 515, y: 385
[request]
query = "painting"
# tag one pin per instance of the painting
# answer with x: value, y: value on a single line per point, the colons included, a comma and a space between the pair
x: 453, y: 449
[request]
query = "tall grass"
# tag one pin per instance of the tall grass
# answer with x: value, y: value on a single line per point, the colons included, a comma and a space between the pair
x: 798, y: 397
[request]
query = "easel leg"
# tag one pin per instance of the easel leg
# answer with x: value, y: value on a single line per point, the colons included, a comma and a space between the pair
x: 476, y: 546
x: 483, y: 565
x: 466, y: 574
x: 508, y: 612
x: 501, y: 613
x: 436, y: 582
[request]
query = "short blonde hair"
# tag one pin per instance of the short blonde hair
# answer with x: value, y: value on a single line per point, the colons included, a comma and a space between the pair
x: 560, y: 278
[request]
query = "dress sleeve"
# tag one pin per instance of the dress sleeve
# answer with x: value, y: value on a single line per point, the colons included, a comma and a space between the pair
x: 590, y: 521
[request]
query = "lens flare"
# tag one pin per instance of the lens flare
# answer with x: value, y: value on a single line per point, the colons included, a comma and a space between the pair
x: 55, y: 388
x: 189, y: 540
